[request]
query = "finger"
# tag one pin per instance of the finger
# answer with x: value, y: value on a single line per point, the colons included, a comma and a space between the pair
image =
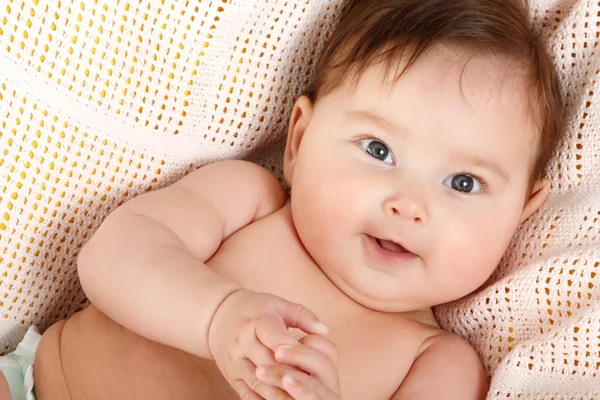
x: 299, y: 389
x: 244, y: 391
x: 272, y: 333
x: 273, y: 374
x: 298, y: 384
x: 300, y: 317
x: 310, y: 361
x: 259, y: 354
x: 324, y: 345
x: 265, y: 391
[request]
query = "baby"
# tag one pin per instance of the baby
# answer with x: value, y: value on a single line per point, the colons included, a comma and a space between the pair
x: 412, y: 159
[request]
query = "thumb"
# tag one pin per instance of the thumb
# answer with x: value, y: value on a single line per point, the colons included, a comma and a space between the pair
x: 297, y: 316
x: 273, y: 331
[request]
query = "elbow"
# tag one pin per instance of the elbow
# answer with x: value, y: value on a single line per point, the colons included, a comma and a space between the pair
x: 86, y: 268
x: 94, y: 258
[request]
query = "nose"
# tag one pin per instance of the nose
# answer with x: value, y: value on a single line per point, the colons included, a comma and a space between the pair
x: 410, y: 207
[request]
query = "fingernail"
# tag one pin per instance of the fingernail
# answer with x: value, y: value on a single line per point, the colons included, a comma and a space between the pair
x: 283, y: 351
x: 320, y: 328
x: 289, y: 381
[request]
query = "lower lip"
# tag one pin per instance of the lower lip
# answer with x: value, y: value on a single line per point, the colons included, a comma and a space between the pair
x: 386, y: 256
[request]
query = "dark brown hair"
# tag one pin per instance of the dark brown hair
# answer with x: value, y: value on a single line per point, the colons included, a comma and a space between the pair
x: 384, y: 31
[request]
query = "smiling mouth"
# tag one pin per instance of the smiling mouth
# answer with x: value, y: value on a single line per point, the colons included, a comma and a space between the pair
x: 387, y: 252
x: 391, y: 246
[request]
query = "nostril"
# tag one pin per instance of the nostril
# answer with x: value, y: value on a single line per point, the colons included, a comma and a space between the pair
x: 406, y: 209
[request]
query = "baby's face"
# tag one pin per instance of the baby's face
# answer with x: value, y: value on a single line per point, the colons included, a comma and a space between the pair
x: 407, y: 195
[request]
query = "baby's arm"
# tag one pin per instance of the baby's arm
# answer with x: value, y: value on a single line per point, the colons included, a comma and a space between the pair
x: 448, y: 368
x: 144, y: 267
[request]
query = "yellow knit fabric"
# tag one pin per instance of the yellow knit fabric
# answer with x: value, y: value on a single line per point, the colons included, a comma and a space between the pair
x: 103, y: 100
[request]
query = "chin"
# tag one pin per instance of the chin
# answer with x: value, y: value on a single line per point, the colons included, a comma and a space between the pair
x: 376, y: 300
x: 386, y: 306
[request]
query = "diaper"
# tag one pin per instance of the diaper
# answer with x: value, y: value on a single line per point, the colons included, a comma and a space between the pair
x: 17, y: 367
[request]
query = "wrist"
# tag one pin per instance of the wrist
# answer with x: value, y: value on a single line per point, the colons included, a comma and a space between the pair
x: 211, y: 326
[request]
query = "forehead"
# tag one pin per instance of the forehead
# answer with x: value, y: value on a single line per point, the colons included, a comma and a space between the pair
x: 476, y: 78
x: 447, y: 87
x: 451, y: 103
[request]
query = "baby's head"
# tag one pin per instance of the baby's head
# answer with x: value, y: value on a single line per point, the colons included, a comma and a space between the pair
x: 421, y: 147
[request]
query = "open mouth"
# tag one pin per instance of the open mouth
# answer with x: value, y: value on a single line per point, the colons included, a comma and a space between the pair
x: 390, y: 246
x: 388, y: 252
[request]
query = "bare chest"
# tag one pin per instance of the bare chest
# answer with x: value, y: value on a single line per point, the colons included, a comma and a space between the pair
x: 376, y: 349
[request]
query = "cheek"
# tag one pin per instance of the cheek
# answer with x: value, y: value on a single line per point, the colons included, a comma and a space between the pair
x: 327, y: 205
x: 473, y: 251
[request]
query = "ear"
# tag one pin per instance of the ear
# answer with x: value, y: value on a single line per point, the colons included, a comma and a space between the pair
x: 299, y: 120
x: 536, y: 199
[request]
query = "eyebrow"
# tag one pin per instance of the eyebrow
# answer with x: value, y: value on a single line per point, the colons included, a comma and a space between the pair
x: 490, y: 166
x: 389, y: 126
x: 384, y: 123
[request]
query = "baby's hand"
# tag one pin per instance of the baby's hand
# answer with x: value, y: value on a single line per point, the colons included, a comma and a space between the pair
x: 318, y: 377
x: 245, y: 332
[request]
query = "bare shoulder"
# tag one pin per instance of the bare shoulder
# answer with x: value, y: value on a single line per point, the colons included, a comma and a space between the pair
x: 232, y: 169
x: 235, y: 180
x: 447, y: 367
x: 242, y: 174
x: 221, y: 198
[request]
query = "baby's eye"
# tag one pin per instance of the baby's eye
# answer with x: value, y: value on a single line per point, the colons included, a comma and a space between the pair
x: 464, y: 183
x: 377, y: 150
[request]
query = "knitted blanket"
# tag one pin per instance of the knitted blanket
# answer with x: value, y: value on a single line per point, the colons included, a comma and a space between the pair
x: 103, y: 100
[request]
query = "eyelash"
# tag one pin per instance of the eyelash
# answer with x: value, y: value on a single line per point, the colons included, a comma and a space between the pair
x: 373, y: 137
x: 482, y: 182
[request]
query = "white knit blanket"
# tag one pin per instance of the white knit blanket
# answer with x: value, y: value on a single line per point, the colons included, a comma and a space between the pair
x: 102, y: 100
